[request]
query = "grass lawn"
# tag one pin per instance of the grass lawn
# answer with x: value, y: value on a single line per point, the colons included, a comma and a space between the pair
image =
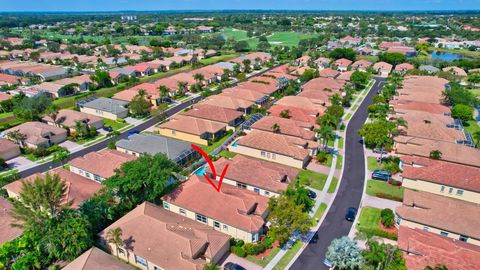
x: 227, y: 154
x: 266, y: 260
x: 319, y: 213
x: 341, y: 142
x: 275, y: 39
x: 220, y: 58
x: 375, y: 187
x: 472, y: 127
x: 333, y: 185
x: 328, y: 162
x: 373, y: 164
x: 369, y: 217
x: 285, y: 260
x: 476, y: 92
x: 236, y: 34
x: 348, y: 116
x: 312, y: 179
x: 83, y: 141
x: 355, y: 107
x: 209, y: 148
x: 114, y: 124
x: 339, y: 162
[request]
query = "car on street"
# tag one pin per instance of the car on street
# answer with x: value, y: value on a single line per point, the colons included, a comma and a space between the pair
x: 233, y: 266
x: 380, y: 151
x: 328, y: 263
x: 107, y: 128
x: 381, y: 175
x: 351, y: 214
x: 311, y: 194
x: 132, y: 132
x: 314, y: 238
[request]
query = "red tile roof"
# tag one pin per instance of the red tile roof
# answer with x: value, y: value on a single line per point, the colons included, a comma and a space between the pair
x: 192, y: 125
x: 7, y: 232
x: 288, y: 127
x: 295, y: 113
x: 343, y: 62
x: 102, y: 163
x: 328, y: 73
x: 324, y: 83
x: 428, y: 249
x: 213, y: 113
x: 236, y: 207
x: 411, y: 105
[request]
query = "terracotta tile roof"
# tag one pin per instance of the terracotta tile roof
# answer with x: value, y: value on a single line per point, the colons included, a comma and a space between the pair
x: 4, y: 96
x: 276, y: 143
x: 443, y: 213
x: 430, y: 126
x: 269, y: 176
x: 79, y: 188
x: 456, y: 70
x: 213, y: 113
x: 10, y: 78
x: 68, y: 118
x: 239, y: 208
x: 36, y: 132
x: 452, y: 152
x: 288, y: 127
x: 328, y: 73
x: 95, y: 258
x: 441, y: 172
x: 323, y: 60
x: 343, y: 62
x: 422, y: 88
x: 428, y: 249
x: 411, y: 105
x: 7, y: 232
x: 243, y: 93
x: 361, y: 64
x: 386, y: 44
x: 264, y: 88
x: 77, y: 79
x: 7, y: 145
x: 383, y: 66
x: 169, y: 240
x: 345, y: 76
x: 297, y: 114
x: 401, y: 49
x: 324, y: 83
x: 102, y: 163
x: 303, y: 103
x: 318, y: 95
x: 229, y: 102
x: 192, y: 125
x: 404, y: 66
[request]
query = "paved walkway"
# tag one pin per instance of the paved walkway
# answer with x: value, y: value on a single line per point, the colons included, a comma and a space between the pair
x: 379, y: 202
x: 241, y: 261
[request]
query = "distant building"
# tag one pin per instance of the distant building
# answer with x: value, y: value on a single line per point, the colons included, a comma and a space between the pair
x: 106, y: 108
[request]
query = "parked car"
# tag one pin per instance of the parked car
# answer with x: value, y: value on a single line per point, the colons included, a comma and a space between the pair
x: 132, y: 132
x: 233, y: 266
x: 351, y: 214
x: 327, y: 263
x: 380, y: 151
x: 381, y: 175
x: 311, y: 194
x: 314, y: 238
x: 107, y: 128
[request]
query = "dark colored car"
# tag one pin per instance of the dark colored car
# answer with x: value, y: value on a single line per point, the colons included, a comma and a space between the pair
x: 351, y: 214
x: 107, y: 128
x: 312, y: 194
x: 381, y: 175
x: 132, y: 132
x: 232, y: 266
x: 314, y: 238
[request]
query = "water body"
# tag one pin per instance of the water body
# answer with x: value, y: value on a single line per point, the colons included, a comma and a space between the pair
x: 447, y: 56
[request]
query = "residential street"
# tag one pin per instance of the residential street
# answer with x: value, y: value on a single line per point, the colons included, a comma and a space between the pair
x: 349, y: 193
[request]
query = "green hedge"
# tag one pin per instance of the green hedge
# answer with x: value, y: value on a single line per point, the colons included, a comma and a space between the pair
x: 388, y: 196
x: 379, y: 232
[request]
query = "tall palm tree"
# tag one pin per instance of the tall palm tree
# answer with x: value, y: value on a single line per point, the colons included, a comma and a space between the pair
x: 39, y: 201
x: 246, y: 64
x: 276, y: 128
x: 285, y: 114
x: 52, y: 112
x: 199, y: 78
x: 142, y: 92
x: 114, y: 236
x: 182, y: 87
x: 327, y: 134
x: 18, y: 137
x: 163, y: 91
x: 476, y: 137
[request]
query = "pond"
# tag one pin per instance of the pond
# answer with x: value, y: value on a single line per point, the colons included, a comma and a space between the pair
x: 447, y: 56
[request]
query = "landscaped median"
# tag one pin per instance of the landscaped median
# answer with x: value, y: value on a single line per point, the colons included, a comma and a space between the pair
x: 384, y: 190
x: 370, y: 223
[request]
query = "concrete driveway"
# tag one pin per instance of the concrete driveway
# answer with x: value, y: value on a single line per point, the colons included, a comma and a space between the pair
x: 71, y: 146
x: 241, y: 261
x: 19, y: 161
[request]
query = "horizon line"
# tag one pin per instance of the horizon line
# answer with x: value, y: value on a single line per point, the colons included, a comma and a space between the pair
x: 223, y: 10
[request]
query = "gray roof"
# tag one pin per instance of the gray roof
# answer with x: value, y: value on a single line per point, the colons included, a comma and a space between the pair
x: 107, y: 105
x: 125, y: 71
x: 429, y: 68
x: 147, y: 143
x: 53, y: 73
x: 225, y: 65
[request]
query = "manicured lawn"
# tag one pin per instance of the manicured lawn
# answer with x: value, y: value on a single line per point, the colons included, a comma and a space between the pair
x: 341, y: 142
x: 236, y: 34
x: 216, y: 59
x: 333, y: 185
x: 114, y: 124
x: 282, y: 264
x: 312, y: 179
x: 227, y: 154
x: 472, y: 127
x: 288, y: 38
x: 266, y: 260
x: 373, y: 164
x: 328, y: 161
x: 339, y: 162
x: 369, y: 217
x: 383, y: 189
x: 209, y: 148
x: 476, y: 92
x: 319, y: 213
x: 348, y: 116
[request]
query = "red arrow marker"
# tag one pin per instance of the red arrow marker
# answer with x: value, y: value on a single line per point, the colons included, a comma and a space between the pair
x: 210, y: 163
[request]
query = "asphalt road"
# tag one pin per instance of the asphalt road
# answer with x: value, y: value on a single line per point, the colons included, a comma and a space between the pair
x: 99, y: 146
x: 349, y: 193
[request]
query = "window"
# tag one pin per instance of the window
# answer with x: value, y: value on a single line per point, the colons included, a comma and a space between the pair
x: 442, y: 188
x: 274, y: 156
x: 182, y: 211
x: 201, y: 218
x: 166, y: 205
x: 241, y: 185
x: 225, y: 227
x: 459, y: 192
x: 121, y: 251
x: 443, y: 233
x: 157, y: 268
x: 88, y: 175
x: 267, y: 193
x: 216, y: 224
x: 425, y: 228
x: 257, y: 190
x: 98, y: 178
x: 174, y: 132
x: 254, y: 237
x: 268, y: 155
x: 399, y: 220
x: 463, y: 238
x: 450, y: 190
x: 262, y: 153
x: 141, y: 260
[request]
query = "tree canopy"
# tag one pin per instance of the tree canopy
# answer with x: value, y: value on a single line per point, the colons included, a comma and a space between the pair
x: 344, y: 253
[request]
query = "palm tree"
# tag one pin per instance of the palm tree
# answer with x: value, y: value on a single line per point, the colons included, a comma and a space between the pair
x: 276, y: 128
x: 285, y: 114
x: 246, y: 64
x: 18, y: 137
x: 435, y: 154
x: 476, y: 137
x: 142, y: 92
x: 163, y: 91
x: 181, y: 87
x: 39, y: 201
x: 114, y: 236
x: 327, y: 134
x: 336, y: 99
x: 375, y: 254
x: 437, y: 267
x: 199, y: 78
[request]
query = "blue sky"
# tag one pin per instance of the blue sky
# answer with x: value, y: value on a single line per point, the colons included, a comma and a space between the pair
x: 115, y: 5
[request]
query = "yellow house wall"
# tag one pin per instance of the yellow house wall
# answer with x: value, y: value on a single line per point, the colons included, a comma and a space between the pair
x: 281, y: 159
x: 435, y: 188
x: 250, y: 187
x: 103, y: 114
x: 182, y: 136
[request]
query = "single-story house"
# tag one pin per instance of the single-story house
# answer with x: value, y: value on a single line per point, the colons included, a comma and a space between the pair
x: 69, y: 118
x: 231, y: 118
x: 7, y: 231
x: 106, y: 108
x: 456, y: 71
x: 428, y: 68
x: 37, y: 134
x: 404, y: 67
x: 285, y: 126
x: 8, y: 149
x: 237, y: 212
x: 95, y: 258
x: 382, y: 68
x: 342, y: 64
x: 361, y: 65
x: 229, y: 102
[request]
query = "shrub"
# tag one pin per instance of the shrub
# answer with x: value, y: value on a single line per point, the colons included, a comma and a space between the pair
x: 322, y: 156
x: 239, y: 251
x: 120, y: 120
x: 387, y: 217
x: 394, y: 182
x: 379, y: 232
x: 388, y: 196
